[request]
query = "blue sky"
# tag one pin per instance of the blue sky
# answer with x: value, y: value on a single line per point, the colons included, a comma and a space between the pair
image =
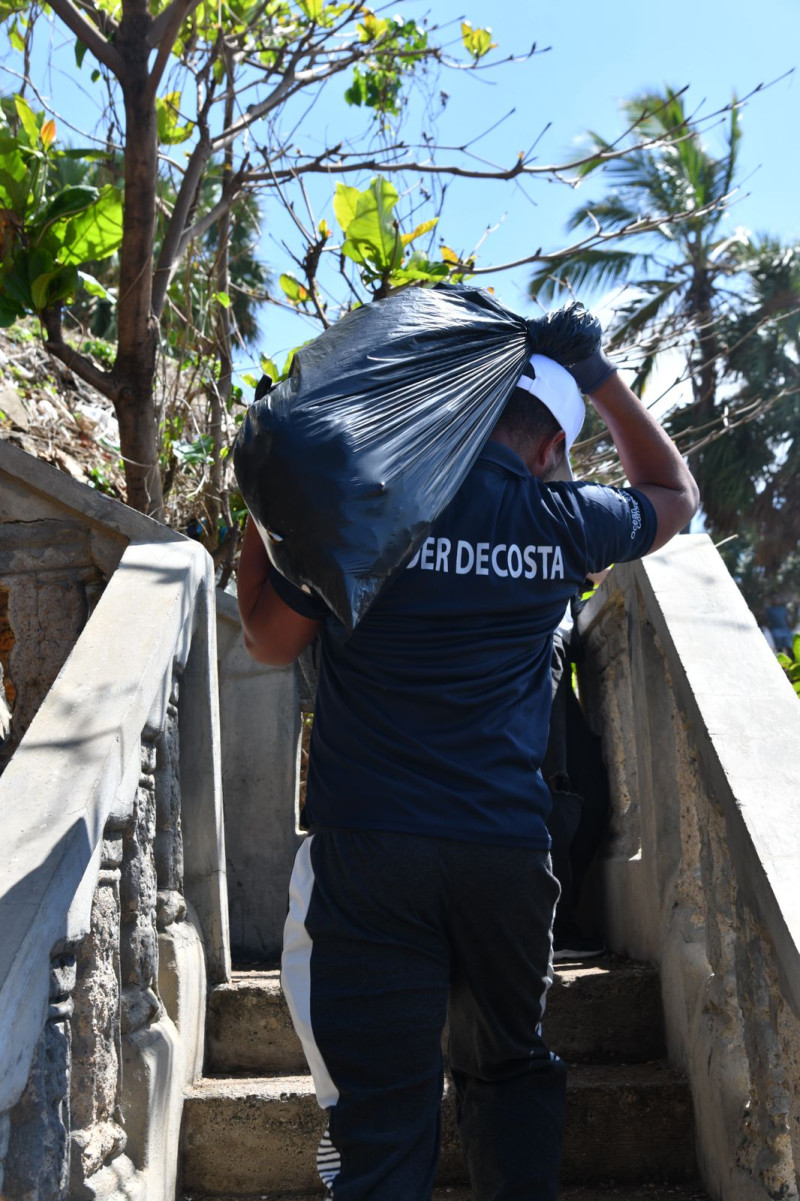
x: 596, y: 56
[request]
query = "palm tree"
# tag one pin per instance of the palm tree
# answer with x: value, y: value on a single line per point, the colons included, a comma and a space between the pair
x: 679, y: 271
x: 761, y: 355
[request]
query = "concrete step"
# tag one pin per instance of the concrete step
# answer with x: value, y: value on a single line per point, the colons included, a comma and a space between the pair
x: 608, y: 1011
x: 259, y: 1136
x: 649, y: 1191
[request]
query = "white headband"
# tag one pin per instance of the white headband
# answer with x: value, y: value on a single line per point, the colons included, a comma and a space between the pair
x: 553, y: 385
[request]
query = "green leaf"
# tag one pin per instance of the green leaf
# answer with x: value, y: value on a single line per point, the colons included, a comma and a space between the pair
x: 223, y: 298
x: 477, y: 41
x: 94, y: 287
x: 422, y: 269
x: 15, y: 180
x: 95, y: 233
x: 269, y: 368
x: 345, y: 204
x: 250, y: 380
x: 424, y: 228
x: 16, y: 39
x: 312, y: 8
x: 29, y: 122
x: 372, y: 234
x: 89, y: 154
x: 356, y: 94
x: 66, y: 204
x: 80, y: 53
x: 9, y: 7
x: 293, y: 290
x: 796, y: 648
x: 16, y: 284
x: 10, y: 311
x: 784, y: 660
x: 372, y: 27
x: 170, y: 133
x: 53, y: 287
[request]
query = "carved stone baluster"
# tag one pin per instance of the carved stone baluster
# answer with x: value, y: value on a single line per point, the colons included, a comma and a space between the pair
x: 97, y: 1136
x: 765, y: 1152
x: 36, y: 1164
x: 169, y: 837
x: 138, y: 896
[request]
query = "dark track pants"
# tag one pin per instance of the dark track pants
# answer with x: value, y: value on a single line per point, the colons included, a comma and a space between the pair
x: 382, y: 928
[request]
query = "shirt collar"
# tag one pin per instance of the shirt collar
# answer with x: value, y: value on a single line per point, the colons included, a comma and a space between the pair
x: 502, y: 456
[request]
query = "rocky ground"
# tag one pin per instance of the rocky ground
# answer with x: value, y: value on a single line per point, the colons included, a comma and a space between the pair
x: 48, y: 412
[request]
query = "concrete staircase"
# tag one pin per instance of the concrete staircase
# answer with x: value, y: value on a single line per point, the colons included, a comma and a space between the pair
x: 252, y: 1124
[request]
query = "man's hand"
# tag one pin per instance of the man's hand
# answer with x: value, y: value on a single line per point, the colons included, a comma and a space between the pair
x: 590, y: 373
x: 273, y: 632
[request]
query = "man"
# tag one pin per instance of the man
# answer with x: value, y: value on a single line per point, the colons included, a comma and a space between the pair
x: 424, y: 889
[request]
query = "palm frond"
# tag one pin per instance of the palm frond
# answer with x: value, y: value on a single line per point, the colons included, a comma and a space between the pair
x: 611, y: 213
x: 638, y: 316
x: 593, y: 270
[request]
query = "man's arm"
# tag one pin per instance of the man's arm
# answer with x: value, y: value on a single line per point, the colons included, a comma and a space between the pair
x: 273, y: 632
x: 650, y: 459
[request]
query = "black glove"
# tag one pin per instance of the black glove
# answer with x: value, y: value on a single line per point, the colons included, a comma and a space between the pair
x: 572, y: 336
x: 590, y: 373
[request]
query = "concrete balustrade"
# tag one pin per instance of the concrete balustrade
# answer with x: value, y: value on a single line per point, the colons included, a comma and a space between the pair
x: 113, y: 906
x: 113, y: 895
x: 701, y: 735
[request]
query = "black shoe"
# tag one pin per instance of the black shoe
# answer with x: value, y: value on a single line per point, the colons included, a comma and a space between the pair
x: 575, y: 947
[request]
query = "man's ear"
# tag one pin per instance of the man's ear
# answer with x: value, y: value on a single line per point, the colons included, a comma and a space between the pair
x: 548, y: 455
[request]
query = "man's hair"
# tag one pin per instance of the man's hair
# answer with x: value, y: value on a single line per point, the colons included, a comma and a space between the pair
x: 525, y: 419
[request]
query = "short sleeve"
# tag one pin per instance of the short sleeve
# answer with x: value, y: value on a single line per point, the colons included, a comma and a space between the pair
x: 304, y: 603
x: 619, y: 524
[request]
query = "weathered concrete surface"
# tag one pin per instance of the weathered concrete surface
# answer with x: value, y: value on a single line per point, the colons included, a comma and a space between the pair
x: 257, y: 1135
x: 182, y: 988
x: 249, y: 1028
x: 653, y: 1190
x: 604, y: 1013
x: 50, y: 584
x: 260, y: 723
x: 701, y: 733
x: 76, y: 755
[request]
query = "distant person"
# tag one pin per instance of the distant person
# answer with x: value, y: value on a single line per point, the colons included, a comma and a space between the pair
x: 575, y: 773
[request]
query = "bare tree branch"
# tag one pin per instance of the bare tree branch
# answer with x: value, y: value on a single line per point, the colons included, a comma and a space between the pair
x: 230, y: 191
x: 104, y: 381
x: 163, y: 32
x: 91, y: 37
x: 172, y: 17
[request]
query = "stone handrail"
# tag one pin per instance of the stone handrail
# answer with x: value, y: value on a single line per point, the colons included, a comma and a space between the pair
x: 113, y: 910
x: 701, y: 734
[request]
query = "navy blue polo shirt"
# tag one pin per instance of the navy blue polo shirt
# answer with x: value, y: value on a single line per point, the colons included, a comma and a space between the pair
x: 432, y: 716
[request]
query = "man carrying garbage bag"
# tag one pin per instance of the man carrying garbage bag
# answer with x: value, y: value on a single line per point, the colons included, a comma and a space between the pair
x: 424, y: 890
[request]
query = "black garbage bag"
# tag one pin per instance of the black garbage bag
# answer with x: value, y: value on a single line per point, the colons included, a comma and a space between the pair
x: 345, y: 464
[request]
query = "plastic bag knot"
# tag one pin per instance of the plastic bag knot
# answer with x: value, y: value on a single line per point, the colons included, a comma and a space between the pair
x: 566, y: 335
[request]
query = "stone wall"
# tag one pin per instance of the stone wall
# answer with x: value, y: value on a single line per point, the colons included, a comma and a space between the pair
x: 701, y: 732
x: 49, y: 584
x: 260, y: 723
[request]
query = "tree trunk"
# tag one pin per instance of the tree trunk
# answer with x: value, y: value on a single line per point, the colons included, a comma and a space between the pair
x: 704, y: 378
x: 138, y: 336
x: 221, y: 393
